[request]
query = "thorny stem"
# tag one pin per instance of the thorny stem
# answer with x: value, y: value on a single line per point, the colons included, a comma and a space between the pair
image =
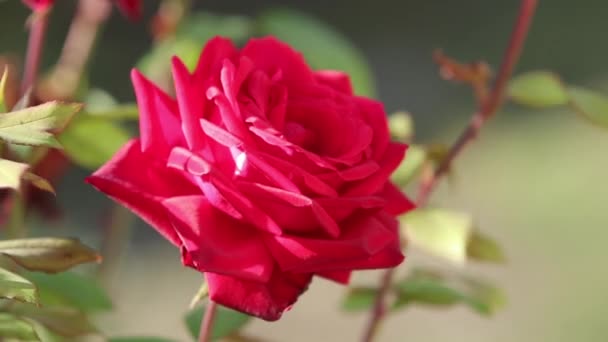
x: 207, y: 322
x: 37, y: 27
x: 63, y: 81
x: 485, y: 111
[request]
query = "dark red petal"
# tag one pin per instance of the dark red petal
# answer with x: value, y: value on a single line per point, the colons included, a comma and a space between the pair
x: 267, y: 301
x: 158, y: 119
x: 272, y: 56
x: 217, y: 243
x: 132, y: 179
x: 342, y: 277
x: 211, y: 60
x: 190, y: 102
x: 338, y: 80
x: 396, y: 201
x: 361, y: 238
x: 393, y: 156
x: 373, y: 113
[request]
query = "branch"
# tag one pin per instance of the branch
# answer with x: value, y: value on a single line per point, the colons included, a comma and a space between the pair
x: 487, y: 109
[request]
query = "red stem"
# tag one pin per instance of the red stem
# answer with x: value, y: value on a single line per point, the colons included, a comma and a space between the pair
x: 207, y: 322
x: 487, y: 109
x: 37, y: 28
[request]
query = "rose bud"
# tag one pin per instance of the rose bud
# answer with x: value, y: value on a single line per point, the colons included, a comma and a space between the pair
x: 264, y: 173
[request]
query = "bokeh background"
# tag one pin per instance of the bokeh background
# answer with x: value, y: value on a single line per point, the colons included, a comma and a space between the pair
x: 534, y: 180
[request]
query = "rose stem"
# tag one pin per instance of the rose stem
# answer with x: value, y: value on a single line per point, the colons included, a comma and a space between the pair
x: 485, y: 111
x: 77, y: 47
x: 37, y: 27
x: 207, y: 322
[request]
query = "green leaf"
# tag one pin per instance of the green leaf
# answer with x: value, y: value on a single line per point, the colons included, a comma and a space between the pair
x: 11, y: 173
x: 428, y: 288
x: 13, y: 286
x: 3, y: 90
x: 410, y: 167
x: 65, y: 322
x: 49, y: 255
x: 482, y: 248
x: 538, y: 89
x: 139, y: 339
x: 322, y: 46
x: 31, y: 126
x: 227, y: 321
x: 73, y: 290
x: 359, y: 299
x: 401, y: 126
x: 444, y: 233
x: 38, y: 182
x: 90, y: 142
x: 13, y: 327
x: 591, y: 105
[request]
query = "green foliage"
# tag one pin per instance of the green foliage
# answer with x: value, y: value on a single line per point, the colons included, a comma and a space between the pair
x: 359, y: 299
x: 538, y: 89
x: 14, y: 327
x: 429, y: 288
x: 49, y: 255
x: 91, y: 141
x: 322, y: 46
x: 410, y: 167
x: 227, y: 321
x: 30, y: 126
x: 593, y: 106
x: 72, y: 290
x: 482, y: 248
x: 450, y: 235
x: 66, y: 322
x: 11, y: 173
x: 545, y: 89
x: 441, y: 232
x: 401, y: 126
x: 14, y: 286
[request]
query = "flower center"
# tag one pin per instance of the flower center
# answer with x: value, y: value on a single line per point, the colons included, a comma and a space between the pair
x: 299, y: 135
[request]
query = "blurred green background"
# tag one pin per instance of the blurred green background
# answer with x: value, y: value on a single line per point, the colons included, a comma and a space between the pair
x: 533, y: 179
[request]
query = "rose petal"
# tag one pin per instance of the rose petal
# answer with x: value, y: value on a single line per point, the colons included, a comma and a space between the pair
x: 158, y: 118
x: 210, y: 62
x: 393, y: 156
x: 361, y: 238
x: 338, y: 80
x: 271, y: 55
x: 267, y: 301
x: 396, y: 201
x: 373, y: 113
x: 217, y: 243
x: 132, y: 179
x: 342, y: 277
x: 190, y: 103
x: 292, y: 211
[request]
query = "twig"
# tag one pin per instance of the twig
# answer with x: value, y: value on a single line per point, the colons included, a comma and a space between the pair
x: 486, y: 111
x: 38, y: 23
x: 207, y: 322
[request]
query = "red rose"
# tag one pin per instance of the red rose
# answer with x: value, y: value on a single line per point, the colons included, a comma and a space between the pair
x: 264, y: 173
